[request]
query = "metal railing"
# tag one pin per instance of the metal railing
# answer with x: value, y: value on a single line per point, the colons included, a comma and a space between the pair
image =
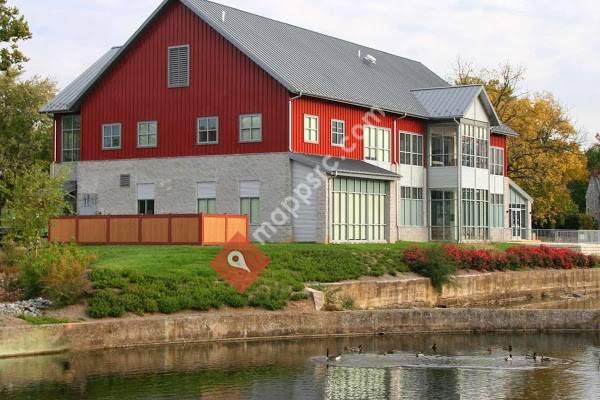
x: 481, y: 234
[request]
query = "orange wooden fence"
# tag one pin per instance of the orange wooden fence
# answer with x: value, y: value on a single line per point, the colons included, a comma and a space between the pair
x: 191, y: 229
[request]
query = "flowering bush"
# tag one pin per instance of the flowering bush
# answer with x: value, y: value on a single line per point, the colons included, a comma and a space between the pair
x: 432, y: 263
x: 514, y: 258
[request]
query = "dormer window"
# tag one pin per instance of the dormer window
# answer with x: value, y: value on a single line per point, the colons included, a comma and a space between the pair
x: 179, y: 66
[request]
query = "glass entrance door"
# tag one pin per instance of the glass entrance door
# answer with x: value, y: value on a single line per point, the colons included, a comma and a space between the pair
x: 517, y: 221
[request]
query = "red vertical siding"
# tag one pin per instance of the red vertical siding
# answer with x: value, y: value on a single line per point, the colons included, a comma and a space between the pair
x: 223, y: 82
x: 500, y: 141
x: 354, y: 117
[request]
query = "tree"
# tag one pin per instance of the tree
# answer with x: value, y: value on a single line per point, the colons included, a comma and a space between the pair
x: 25, y: 134
x: 546, y: 156
x: 13, y: 29
x: 33, y: 197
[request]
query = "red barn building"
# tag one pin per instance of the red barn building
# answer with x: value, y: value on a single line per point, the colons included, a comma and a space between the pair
x: 211, y: 109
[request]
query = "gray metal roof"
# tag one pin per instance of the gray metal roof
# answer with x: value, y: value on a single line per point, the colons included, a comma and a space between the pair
x: 310, y: 63
x: 344, y: 166
x: 68, y: 98
x: 454, y: 101
x: 303, y: 61
x: 503, y: 129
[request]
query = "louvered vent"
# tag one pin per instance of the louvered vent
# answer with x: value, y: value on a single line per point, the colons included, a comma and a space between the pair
x: 125, y: 180
x: 179, y: 66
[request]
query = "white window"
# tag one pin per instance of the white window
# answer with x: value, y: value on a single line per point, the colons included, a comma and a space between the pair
x: 179, y: 66
x: 311, y: 129
x: 208, y: 130
x: 250, y: 200
x: 147, y: 134
x: 338, y: 132
x: 145, y: 198
x: 411, y: 206
x: 207, y: 197
x: 377, y: 144
x: 411, y: 149
x: 111, y: 136
x: 474, y: 146
x: 497, y: 161
x: 71, y: 134
x: 250, y: 128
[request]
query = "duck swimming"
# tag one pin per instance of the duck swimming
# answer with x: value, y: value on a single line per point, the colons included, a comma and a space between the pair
x: 533, y: 357
x: 333, y: 357
x: 434, y: 348
x: 508, y: 358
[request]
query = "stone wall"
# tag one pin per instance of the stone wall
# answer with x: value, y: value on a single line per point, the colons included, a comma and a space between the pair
x: 176, y: 180
x: 469, y: 288
x: 207, y: 327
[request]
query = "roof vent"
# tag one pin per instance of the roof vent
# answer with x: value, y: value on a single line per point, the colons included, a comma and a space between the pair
x: 369, y: 59
x: 223, y: 16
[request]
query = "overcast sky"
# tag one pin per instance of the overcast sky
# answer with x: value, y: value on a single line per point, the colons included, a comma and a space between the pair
x: 557, y: 42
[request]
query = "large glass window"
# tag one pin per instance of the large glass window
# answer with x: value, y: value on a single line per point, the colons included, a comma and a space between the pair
x: 111, y: 136
x: 475, y: 214
x: 443, y: 147
x: 251, y: 128
x: 358, y: 210
x: 71, y: 134
x: 147, y: 134
x: 474, y: 146
x: 411, y: 206
x: 497, y: 210
x: 311, y: 129
x: 377, y: 144
x: 497, y: 161
x: 443, y: 211
x: 411, y: 149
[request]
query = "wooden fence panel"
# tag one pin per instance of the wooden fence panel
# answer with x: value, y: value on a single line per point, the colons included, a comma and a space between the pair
x: 155, y: 230
x: 237, y: 225
x: 62, y: 230
x: 92, y: 231
x: 185, y: 230
x: 202, y: 229
x: 124, y: 230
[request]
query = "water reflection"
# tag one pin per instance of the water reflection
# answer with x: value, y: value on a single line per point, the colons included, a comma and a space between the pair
x: 461, y: 368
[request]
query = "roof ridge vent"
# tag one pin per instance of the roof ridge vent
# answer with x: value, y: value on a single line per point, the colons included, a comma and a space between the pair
x: 369, y: 59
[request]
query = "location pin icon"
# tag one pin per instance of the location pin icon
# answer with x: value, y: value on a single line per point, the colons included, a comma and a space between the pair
x: 236, y: 260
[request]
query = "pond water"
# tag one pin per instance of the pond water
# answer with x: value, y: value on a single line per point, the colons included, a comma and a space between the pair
x: 462, y: 368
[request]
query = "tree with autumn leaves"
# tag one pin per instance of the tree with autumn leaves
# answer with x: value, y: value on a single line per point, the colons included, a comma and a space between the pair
x: 546, y: 158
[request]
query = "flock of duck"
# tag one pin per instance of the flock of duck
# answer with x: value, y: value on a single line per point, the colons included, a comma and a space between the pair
x: 358, y: 350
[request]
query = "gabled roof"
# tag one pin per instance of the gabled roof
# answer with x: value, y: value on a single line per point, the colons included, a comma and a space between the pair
x: 344, y: 167
x: 67, y: 99
x: 312, y: 64
x: 454, y: 101
x: 303, y: 61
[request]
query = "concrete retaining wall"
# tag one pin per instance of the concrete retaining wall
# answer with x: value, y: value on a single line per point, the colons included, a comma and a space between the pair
x: 28, y: 340
x: 469, y: 289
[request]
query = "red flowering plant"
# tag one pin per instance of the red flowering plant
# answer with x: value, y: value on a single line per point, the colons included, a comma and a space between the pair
x: 514, y: 258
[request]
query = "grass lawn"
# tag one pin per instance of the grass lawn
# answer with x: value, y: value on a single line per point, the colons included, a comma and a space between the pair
x: 167, y: 279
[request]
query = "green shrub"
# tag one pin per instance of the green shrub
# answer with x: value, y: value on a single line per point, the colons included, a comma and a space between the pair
x: 57, y: 272
x: 42, y: 320
x: 105, y: 303
x: 168, y: 305
x: 433, y: 263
